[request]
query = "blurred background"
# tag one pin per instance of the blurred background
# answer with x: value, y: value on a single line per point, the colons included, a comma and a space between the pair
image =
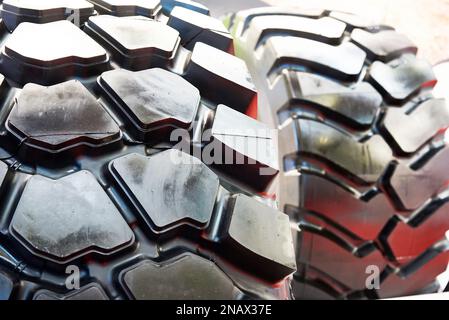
x: 425, y: 22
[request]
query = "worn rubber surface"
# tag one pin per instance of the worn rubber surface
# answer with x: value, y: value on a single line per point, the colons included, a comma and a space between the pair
x: 364, y: 164
x: 90, y: 177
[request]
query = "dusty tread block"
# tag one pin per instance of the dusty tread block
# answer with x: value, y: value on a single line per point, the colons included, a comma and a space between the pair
x: 356, y: 105
x: 59, y: 117
x: 15, y: 12
x: 221, y: 77
x: 249, y: 147
x: 343, y: 151
x: 261, y: 235
x: 50, y: 53
x: 399, y: 80
x: 136, y: 43
x: 170, y: 188
x: 63, y: 219
x: 344, y: 61
x: 92, y: 291
x: 323, y: 29
x: 412, y: 188
x: 147, y: 8
x: 197, y: 27
x: 169, y: 5
x: 187, y: 277
x: 383, y: 45
x: 6, y: 286
x: 409, y: 132
x: 156, y: 101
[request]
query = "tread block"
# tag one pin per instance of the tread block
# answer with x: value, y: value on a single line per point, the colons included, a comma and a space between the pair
x: 3, y: 82
x: 221, y: 77
x: 169, y: 5
x: 50, y: 53
x: 356, y: 105
x: 398, y: 80
x: 147, y: 8
x: 170, y: 188
x: 384, y: 45
x: 335, y: 261
x: 394, y: 285
x: 154, y: 100
x: 365, y: 161
x: 424, y: 227
x: 81, y: 220
x: 248, y: 147
x: 197, y: 27
x: 352, y: 20
x: 136, y: 43
x: 3, y: 172
x: 364, y: 219
x: 324, y: 29
x: 412, y: 188
x: 247, y: 16
x: 188, y: 277
x: 6, y: 286
x: 288, y: 176
x: 291, y: 196
x: 288, y: 143
x: 416, y: 128
x: 92, y: 291
x: 60, y: 117
x: 344, y: 61
x: 15, y: 12
x: 261, y: 235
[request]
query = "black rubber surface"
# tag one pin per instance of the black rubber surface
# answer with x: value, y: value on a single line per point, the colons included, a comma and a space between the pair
x: 364, y: 163
x: 90, y: 177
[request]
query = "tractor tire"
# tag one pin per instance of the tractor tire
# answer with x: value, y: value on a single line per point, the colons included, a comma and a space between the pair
x: 363, y: 158
x: 97, y: 200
